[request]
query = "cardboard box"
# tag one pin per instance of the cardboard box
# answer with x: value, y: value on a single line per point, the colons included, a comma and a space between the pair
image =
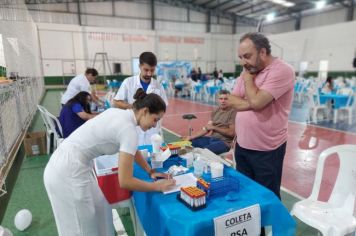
x: 35, y: 143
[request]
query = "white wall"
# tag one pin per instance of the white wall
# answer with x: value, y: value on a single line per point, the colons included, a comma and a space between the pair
x: 325, y: 18
x: 62, y: 44
x: 335, y: 43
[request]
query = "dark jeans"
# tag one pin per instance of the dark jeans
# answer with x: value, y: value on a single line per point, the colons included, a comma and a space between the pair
x: 215, y: 145
x: 264, y: 167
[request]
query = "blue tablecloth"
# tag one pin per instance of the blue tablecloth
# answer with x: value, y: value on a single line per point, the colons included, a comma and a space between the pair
x: 340, y: 100
x: 164, y: 215
x: 197, y: 88
x: 213, y: 89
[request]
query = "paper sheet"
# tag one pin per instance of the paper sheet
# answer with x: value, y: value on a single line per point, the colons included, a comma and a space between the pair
x: 183, y: 181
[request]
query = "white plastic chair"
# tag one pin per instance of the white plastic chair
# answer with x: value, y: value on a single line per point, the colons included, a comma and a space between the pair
x: 334, y: 217
x: 50, y: 122
x: 348, y: 108
x: 315, y: 106
x: 196, y: 90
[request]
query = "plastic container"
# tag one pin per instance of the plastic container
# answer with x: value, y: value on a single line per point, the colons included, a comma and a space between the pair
x: 156, y: 164
x: 198, y: 167
x: 223, y: 185
x: 156, y: 141
x: 106, y: 169
x: 145, y: 153
x: 217, y: 169
x: 189, y: 157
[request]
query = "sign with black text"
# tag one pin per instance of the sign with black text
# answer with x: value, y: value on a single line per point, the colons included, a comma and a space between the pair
x: 243, y: 222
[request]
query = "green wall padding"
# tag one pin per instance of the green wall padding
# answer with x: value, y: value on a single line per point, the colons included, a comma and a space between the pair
x: 64, y: 80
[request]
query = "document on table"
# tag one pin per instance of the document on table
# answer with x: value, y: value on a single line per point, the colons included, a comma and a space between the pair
x: 183, y: 181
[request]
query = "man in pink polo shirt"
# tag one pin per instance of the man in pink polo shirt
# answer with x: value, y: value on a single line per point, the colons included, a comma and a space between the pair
x: 263, y: 98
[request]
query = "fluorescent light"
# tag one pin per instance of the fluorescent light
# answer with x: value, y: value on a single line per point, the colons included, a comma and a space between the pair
x: 283, y: 3
x: 278, y: 1
x: 320, y: 4
x: 270, y: 16
x: 289, y: 4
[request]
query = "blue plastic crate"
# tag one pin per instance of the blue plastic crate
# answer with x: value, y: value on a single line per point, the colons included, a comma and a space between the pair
x: 222, y: 186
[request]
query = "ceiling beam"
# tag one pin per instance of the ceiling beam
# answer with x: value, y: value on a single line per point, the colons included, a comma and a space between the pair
x: 254, y: 5
x: 206, y: 3
x: 178, y: 3
x: 221, y: 4
x: 217, y: 12
x: 234, y: 6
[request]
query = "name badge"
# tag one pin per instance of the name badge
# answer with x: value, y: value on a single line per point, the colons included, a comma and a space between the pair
x: 242, y: 222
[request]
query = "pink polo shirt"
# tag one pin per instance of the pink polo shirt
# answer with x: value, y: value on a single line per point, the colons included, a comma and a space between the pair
x: 266, y: 129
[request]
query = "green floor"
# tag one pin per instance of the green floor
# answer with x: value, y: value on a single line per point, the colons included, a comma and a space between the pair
x: 29, y: 192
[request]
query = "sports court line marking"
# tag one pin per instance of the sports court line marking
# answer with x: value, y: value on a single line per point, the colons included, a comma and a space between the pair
x: 170, y: 131
x: 180, y: 114
x: 322, y: 127
x: 194, y: 102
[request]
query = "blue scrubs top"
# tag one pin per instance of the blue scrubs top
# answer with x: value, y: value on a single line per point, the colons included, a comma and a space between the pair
x: 69, y: 118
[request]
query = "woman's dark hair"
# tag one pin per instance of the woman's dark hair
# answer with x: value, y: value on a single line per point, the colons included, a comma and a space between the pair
x: 152, y: 101
x: 81, y: 98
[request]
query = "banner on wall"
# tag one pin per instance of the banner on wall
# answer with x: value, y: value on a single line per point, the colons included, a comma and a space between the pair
x: 178, y: 39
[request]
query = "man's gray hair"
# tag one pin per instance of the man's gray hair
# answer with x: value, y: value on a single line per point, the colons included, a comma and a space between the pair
x: 259, y: 40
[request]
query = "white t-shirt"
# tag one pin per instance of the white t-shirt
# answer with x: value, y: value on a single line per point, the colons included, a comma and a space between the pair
x: 126, y: 92
x: 77, y: 84
x: 112, y: 131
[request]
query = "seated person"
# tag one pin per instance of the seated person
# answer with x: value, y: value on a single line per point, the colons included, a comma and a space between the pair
x: 328, y: 85
x: 75, y: 112
x: 217, y: 134
x: 178, y: 85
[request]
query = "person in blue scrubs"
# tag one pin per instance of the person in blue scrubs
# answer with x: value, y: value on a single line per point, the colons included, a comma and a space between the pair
x: 75, y: 112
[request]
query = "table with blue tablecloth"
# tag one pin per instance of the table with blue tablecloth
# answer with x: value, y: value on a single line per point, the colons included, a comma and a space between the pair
x: 162, y: 214
x: 340, y: 100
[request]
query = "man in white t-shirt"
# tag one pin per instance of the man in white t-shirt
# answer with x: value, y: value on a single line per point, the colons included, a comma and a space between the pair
x: 81, y: 83
x: 124, y: 97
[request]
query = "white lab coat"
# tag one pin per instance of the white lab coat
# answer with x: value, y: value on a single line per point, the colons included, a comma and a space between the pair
x: 77, y: 84
x: 126, y: 92
x: 79, y: 206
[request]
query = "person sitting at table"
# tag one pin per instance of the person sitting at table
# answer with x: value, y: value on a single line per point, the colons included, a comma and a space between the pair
x: 78, y: 204
x: 217, y: 134
x: 75, y: 113
x: 328, y: 85
x: 178, y: 85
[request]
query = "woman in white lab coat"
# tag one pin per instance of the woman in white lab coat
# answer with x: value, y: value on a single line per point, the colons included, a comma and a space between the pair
x: 78, y: 204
